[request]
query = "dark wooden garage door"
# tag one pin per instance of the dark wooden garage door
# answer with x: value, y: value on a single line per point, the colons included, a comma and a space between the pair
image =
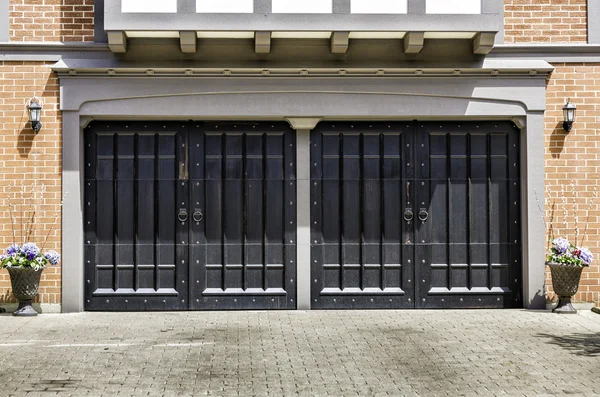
x: 189, y: 216
x: 423, y: 215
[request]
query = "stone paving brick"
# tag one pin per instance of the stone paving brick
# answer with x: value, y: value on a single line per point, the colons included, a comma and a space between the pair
x: 337, y: 353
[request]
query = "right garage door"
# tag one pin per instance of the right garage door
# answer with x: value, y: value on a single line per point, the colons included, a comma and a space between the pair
x: 415, y: 215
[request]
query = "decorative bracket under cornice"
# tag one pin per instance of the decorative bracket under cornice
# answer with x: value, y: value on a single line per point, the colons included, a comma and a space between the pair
x: 117, y: 41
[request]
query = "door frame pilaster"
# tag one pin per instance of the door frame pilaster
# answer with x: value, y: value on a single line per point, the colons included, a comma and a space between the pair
x: 303, y: 127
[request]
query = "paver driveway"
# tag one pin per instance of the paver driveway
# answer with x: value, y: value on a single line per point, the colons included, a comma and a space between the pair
x: 337, y: 353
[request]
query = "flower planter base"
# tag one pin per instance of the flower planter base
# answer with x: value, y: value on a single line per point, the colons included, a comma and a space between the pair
x: 25, y: 309
x: 25, y: 284
x: 565, y: 281
x: 564, y: 306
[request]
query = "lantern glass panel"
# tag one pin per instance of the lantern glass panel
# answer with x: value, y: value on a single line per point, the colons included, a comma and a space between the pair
x: 35, y: 110
x: 569, y: 112
x: 34, y: 115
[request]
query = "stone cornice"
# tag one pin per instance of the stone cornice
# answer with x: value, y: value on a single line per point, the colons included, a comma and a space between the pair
x: 45, y: 52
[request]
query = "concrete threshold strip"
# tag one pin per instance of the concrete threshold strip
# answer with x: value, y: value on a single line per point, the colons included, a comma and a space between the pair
x: 43, y: 343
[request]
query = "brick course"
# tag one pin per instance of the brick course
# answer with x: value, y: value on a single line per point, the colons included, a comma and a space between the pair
x: 52, y: 20
x: 545, y: 21
x: 574, y: 158
x: 31, y: 158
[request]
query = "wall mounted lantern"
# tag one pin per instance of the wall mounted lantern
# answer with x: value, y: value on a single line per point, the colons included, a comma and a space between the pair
x: 568, y: 115
x: 34, y: 108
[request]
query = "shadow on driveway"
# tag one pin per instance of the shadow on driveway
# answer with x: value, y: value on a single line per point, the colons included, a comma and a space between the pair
x: 587, y: 345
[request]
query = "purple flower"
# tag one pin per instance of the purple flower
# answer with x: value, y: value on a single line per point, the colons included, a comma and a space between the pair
x: 31, y: 250
x: 3, y: 257
x: 13, y: 249
x: 586, y: 256
x: 561, y: 244
x: 53, y: 257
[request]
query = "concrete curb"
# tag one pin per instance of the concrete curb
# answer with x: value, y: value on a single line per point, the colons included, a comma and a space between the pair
x: 39, y: 307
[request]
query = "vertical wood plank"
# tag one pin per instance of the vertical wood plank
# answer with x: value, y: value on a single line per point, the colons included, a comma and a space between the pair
x: 255, y: 213
x: 330, y: 164
x: 480, y: 266
x: 351, y: 260
x: 166, y: 210
x: 317, y: 215
x: 233, y: 202
x: 458, y: 214
x: 371, y: 214
x: 198, y: 241
x: 439, y: 160
x: 105, y: 218
x: 214, y: 211
x: 146, y: 204
x: 180, y: 275
x: 125, y: 198
x: 391, y: 210
x: 423, y: 229
x: 290, y: 238
x: 274, y: 228
x: 514, y: 192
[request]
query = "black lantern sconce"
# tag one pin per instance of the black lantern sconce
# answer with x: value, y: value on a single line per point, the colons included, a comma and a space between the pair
x: 568, y: 115
x: 34, y: 108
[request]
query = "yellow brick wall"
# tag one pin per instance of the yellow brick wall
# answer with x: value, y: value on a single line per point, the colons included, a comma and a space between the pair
x: 545, y: 21
x: 574, y: 158
x: 30, y: 158
x: 52, y: 20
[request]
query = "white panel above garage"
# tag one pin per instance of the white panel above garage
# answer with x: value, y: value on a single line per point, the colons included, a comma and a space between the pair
x: 453, y: 7
x: 149, y: 6
x: 225, y: 6
x: 379, y: 6
x: 302, y: 6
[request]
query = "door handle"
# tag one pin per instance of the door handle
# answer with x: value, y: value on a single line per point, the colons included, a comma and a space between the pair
x: 198, y: 216
x: 423, y: 215
x: 408, y: 215
x: 182, y: 216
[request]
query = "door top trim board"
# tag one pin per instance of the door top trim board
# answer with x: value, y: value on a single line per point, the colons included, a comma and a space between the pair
x: 244, y: 127
x: 125, y: 127
x: 445, y: 126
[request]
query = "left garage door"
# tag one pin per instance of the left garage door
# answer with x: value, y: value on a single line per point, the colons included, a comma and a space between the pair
x: 189, y: 215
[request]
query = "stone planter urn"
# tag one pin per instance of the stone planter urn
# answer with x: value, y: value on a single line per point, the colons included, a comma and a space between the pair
x: 25, y: 284
x: 565, y: 281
